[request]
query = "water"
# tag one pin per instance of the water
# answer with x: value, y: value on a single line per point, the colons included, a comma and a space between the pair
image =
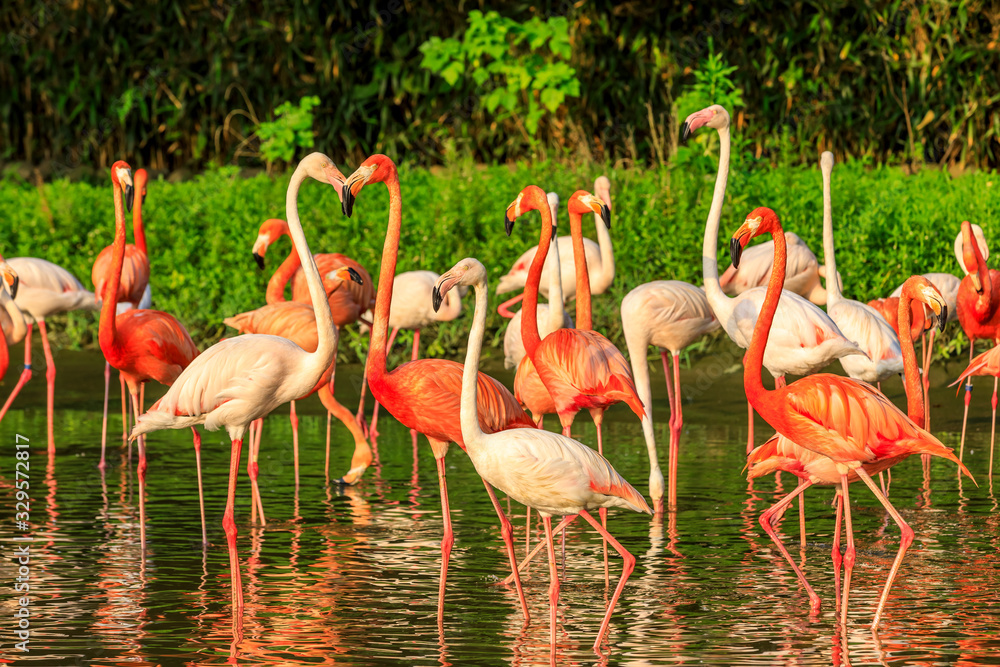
x: 350, y: 576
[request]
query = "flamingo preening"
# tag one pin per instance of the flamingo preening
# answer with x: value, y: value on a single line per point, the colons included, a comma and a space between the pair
x: 425, y: 394
x: 241, y: 379
x: 552, y: 473
x: 805, y: 339
x: 845, y: 420
x: 12, y: 325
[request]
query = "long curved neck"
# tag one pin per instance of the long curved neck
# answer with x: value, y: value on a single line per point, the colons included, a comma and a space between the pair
x: 911, y: 373
x: 137, y: 229
x: 18, y: 326
x: 279, y: 280
x: 386, y: 276
x: 529, y: 321
x: 557, y: 308
x: 710, y: 247
x: 472, y: 433
x: 986, y: 298
x: 754, y: 359
x: 829, y: 254
x: 584, y: 318
x: 108, y: 332
x: 325, y: 333
x: 606, y: 275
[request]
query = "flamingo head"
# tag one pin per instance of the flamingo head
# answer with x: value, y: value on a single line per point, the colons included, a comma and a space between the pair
x: 583, y: 202
x: 602, y: 188
x: 141, y: 177
x: 270, y: 231
x: 376, y: 169
x: 531, y: 198
x: 973, y: 242
x: 715, y: 117
x: 826, y: 160
x: 553, y: 200
x: 761, y: 220
x: 321, y: 168
x: 345, y: 273
x: 121, y: 177
x: 10, y: 278
x: 468, y: 272
x: 920, y: 289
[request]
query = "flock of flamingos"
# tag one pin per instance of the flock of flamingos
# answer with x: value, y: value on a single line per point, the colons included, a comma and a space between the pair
x: 831, y: 430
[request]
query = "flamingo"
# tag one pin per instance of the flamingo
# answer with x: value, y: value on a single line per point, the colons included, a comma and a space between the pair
x: 978, y: 308
x: 425, y: 394
x: 804, y: 271
x: 142, y: 344
x: 297, y: 322
x: 806, y: 338
x: 410, y: 309
x: 552, y: 473
x: 858, y: 322
x: 551, y: 316
x: 845, y: 420
x: 12, y: 326
x: 133, y: 292
x: 241, y: 379
x: 671, y: 315
x: 600, y: 260
x: 986, y: 364
x: 45, y: 289
x: 348, y: 301
x: 812, y: 468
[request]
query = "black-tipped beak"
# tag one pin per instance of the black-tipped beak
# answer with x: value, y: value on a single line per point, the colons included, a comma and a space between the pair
x: 347, y: 201
x: 437, y: 298
x: 735, y: 250
x: 606, y: 215
x: 129, y: 196
x: 13, y: 287
x: 355, y: 276
x: 260, y: 261
x: 685, y: 131
x: 553, y: 231
x: 508, y: 224
x: 943, y: 318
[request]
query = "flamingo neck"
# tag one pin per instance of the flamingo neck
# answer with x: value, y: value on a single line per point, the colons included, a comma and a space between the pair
x: 387, y: 273
x: 529, y: 320
x: 137, y: 228
x: 754, y: 359
x: 108, y: 332
x: 275, y: 292
x: 472, y: 433
x: 829, y: 255
x: 606, y: 275
x: 557, y: 308
x: 985, y: 299
x: 325, y: 332
x: 18, y: 327
x: 720, y: 303
x: 911, y: 373
x: 584, y: 317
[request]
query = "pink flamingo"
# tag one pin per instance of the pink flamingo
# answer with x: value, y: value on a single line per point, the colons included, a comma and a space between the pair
x: 241, y: 379
x: 425, y: 394
x: 804, y: 271
x: 12, y: 326
x: 552, y: 473
x: 843, y: 419
x: 142, y: 344
x: 805, y: 338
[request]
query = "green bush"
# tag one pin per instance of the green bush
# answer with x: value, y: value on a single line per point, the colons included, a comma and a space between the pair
x: 888, y: 225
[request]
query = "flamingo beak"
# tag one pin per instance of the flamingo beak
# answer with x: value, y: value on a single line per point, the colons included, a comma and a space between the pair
x: 693, y: 122
x: 606, y: 215
x: 347, y: 199
x: 508, y: 224
x: 354, y: 275
x: 11, y: 279
x: 976, y: 283
x: 259, y: 259
x: 129, y: 196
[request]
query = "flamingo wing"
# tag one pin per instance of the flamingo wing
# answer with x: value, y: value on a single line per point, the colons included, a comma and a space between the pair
x: 289, y: 319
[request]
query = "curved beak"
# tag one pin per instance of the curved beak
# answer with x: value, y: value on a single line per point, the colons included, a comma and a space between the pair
x: 437, y: 298
x: 347, y: 199
x: 259, y: 259
x: 693, y: 122
x: 508, y: 223
x: 10, y: 278
x: 606, y: 215
x: 976, y: 282
x: 346, y: 273
x: 129, y: 196
x: 355, y: 276
x: 441, y: 288
x: 735, y: 250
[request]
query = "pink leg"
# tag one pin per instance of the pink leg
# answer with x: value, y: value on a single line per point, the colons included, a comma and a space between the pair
x: 295, y: 442
x: 229, y: 525
x: 628, y: 564
x: 993, y: 426
x: 677, y: 424
x: 598, y: 415
x: 50, y: 380
x: 527, y: 529
x: 507, y: 532
x: 553, y: 584
x: 835, y: 554
x: 141, y: 474
x: 251, y: 431
x: 449, y: 537
x: 104, y: 420
x: 504, y: 308
x: 850, y: 554
x: 968, y: 399
x: 541, y: 545
x: 749, y: 427
x: 326, y: 466
x: 125, y: 402
x: 765, y: 523
x: 360, y: 416
x: 802, y: 522
x: 672, y: 401
x: 253, y: 471
x: 25, y: 374
x: 201, y: 489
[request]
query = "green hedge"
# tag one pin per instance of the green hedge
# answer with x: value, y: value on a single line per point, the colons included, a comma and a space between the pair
x: 166, y: 84
x: 888, y: 226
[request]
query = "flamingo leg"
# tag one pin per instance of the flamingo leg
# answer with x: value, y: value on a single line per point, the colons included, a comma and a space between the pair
x: 50, y: 386
x: 675, y: 432
x: 527, y: 529
x: 906, y: 538
x: 25, y: 374
x: 504, y: 308
x: 628, y: 564
x: 326, y: 463
x: 598, y: 416
x: 507, y: 532
x: 201, y: 489
x: 835, y: 554
x: 968, y: 399
x: 229, y: 525
x: 360, y: 416
x: 749, y: 427
x: 253, y: 472
x: 125, y: 403
x: 541, y: 545
x: 104, y: 420
x: 849, y: 555
x: 253, y: 499
x: 672, y: 401
x: 362, y: 457
x: 765, y: 523
x: 993, y: 425
x: 141, y: 474
x: 447, y: 540
x: 802, y: 522
x: 553, y: 584
x: 294, y: 417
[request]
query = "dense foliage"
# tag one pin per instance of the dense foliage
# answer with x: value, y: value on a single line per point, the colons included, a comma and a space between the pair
x: 888, y: 226
x: 180, y: 84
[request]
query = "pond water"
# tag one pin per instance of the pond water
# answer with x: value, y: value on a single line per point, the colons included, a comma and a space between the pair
x: 350, y: 575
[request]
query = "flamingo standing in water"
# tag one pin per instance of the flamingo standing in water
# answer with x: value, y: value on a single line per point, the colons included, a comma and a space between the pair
x: 45, y: 289
x: 812, y: 468
x: 12, y: 326
x: 804, y: 271
x: 550, y: 472
x: 986, y: 364
x: 805, y: 338
x: 133, y: 292
x: 241, y: 379
x: 845, y: 420
x: 142, y: 344
x: 425, y: 394
x: 348, y: 301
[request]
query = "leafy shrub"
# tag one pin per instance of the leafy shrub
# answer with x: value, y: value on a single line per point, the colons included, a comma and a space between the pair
x: 291, y: 129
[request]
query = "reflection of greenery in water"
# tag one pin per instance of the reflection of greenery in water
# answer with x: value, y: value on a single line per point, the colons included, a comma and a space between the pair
x: 357, y: 573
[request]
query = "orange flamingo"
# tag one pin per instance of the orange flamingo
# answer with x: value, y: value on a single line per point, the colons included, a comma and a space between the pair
x: 142, y: 344
x: 425, y: 394
x: 978, y: 308
x: 843, y: 419
x: 780, y: 453
x: 133, y: 292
